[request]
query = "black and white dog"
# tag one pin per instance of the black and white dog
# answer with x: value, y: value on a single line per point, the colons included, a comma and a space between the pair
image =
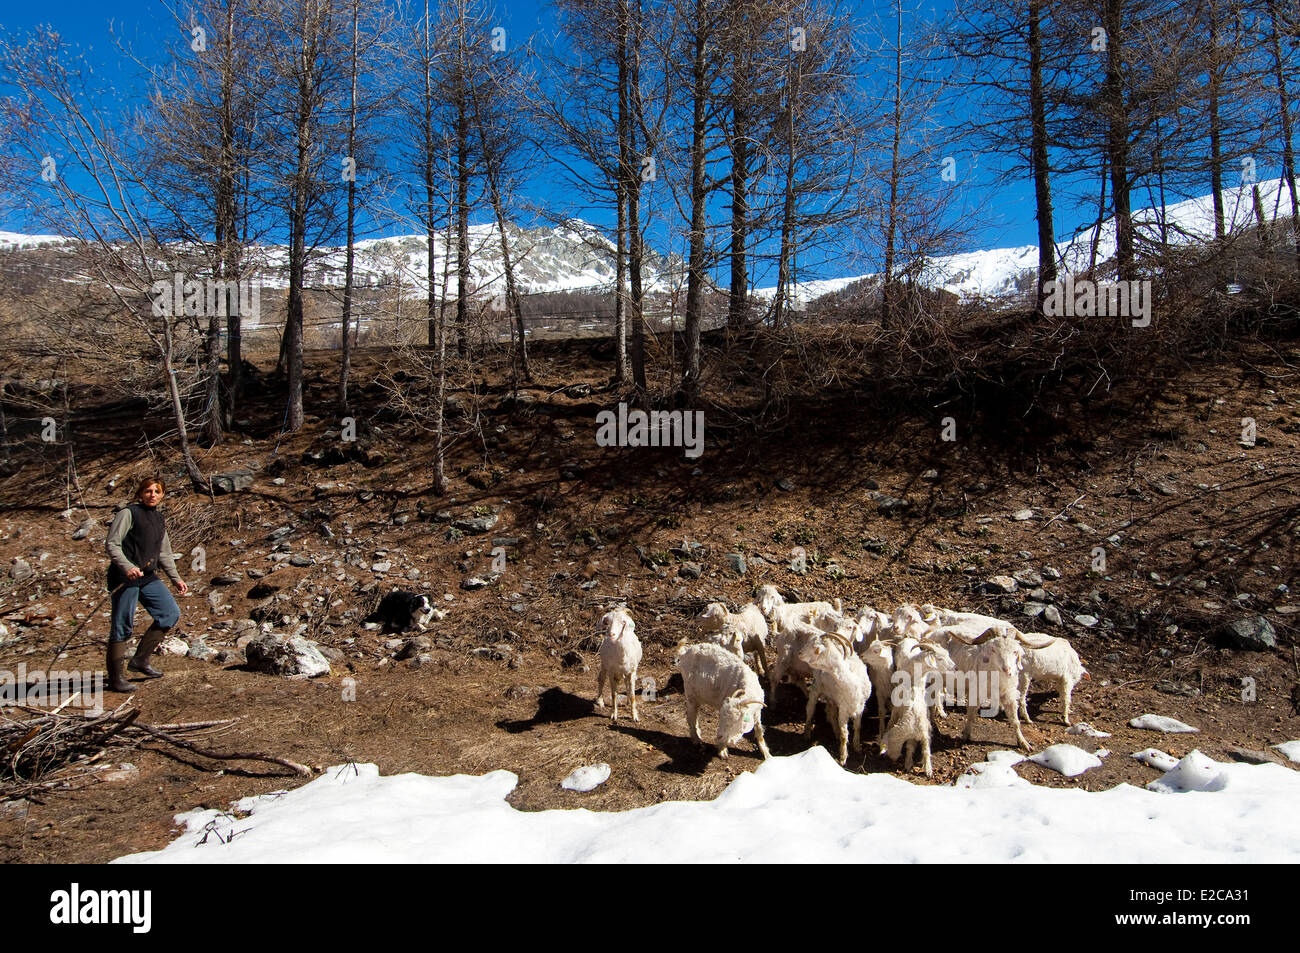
x: 400, y: 611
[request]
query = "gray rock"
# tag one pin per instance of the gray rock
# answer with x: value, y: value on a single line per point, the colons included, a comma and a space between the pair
x: 479, y: 524
x: 413, y: 647
x: 401, y: 519
x: 86, y: 528
x: 232, y: 481
x: 480, y: 582
x: 1033, y: 609
x: 1000, y: 584
x: 1038, y: 595
x: 278, y: 654
x: 300, y: 560
x: 889, y: 504
x: 381, y: 566
x: 278, y: 534
x: 1086, y: 620
x: 736, y: 562
x: 1021, y: 515
x: 227, y: 579
x: 1251, y: 756
x: 1051, y: 573
x: 1252, y: 633
x: 20, y: 570
x: 785, y: 483
x: 201, y: 650
x: 930, y: 475
x: 1052, y: 615
x: 689, y: 570
x: 506, y: 540
x: 1177, y: 688
x: 1028, y: 578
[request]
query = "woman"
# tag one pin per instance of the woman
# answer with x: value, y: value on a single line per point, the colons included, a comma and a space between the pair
x: 138, y: 545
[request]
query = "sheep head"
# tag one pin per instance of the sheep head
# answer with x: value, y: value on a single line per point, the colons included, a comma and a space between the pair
x: 713, y: 616
x: 736, y: 717
x: 769, y: 599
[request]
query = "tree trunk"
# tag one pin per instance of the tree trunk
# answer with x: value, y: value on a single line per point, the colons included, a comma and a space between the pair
x: 345, y: 363
x: 1117, y: 140
x: 1288, y: 153
x: 891, y: 227
x: 1042, y: 173
x: 628, y: 86
x: 695, y: 267
x: 1216, y: 143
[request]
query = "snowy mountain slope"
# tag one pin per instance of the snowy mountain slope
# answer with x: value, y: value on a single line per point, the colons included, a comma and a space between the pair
x: 997, y: 272
x: 571, y: 257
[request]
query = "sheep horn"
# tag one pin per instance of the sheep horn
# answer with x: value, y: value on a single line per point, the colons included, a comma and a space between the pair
x: 844, y: 643
x: 964, y: 639
x: 752, y: 701
x: 1033, y: 644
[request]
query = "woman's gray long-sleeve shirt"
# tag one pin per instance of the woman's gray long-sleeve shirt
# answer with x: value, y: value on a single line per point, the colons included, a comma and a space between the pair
x: 117, y: 531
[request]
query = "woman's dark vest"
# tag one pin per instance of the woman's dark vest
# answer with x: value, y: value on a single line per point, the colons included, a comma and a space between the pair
x: 141, y: 546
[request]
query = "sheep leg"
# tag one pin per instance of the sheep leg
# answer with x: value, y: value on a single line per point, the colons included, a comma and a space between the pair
x: 613, y: 695
x: 1066, y: 691
x: 925, y: 754
x: 760, y: 740
x: 909, y: 749
x: 971, y: 711
x: 631, y: 694
x: 809, y: 713
x: 761, y: 652
x: 857, y: 732
x: 1024, y: 702
x: 692, y: 713
x: 1013, y: 717
x: 600, y: 688
x: 842, y: 732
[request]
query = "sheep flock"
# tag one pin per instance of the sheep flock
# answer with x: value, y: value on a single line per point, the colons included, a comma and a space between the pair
x: 915, y: 660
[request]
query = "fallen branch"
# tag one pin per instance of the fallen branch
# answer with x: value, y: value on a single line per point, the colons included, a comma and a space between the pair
x: 215, y: 756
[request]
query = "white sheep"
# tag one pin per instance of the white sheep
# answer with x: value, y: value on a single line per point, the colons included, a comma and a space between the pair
x: 909, y: 723
x: 840, y: 679
x: 748, y: 623
x: 991, y: 663
x: 714, y: 678
x: 1051, y: 660
x: 620, y: 655
x: 878, y: 656
x: 781, y: 614
x: 789, y: 641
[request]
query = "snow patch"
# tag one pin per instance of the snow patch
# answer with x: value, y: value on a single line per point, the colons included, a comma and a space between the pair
x: 1067, y: 760
x: 803, y: 808
x: 586, y: 778
x: 1155, y: 758
x: 1083, y: 728
x: 1291, y: 749
x: 1196, y: 772
x: 1161, y: 723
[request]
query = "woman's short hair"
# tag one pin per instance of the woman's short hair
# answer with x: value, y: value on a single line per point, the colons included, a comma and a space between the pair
x: 148, y: 482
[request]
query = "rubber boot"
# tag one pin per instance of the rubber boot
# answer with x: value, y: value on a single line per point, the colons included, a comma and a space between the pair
x: 116, y: 657
x: 148, y: 642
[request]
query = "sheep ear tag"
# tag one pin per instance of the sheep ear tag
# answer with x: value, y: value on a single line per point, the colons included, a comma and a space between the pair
x: 747, y: 719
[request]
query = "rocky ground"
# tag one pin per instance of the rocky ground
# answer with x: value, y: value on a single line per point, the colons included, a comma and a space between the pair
x: 1163, y: 544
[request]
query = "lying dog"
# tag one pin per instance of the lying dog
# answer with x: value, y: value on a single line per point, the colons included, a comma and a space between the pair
x: 400, y: 611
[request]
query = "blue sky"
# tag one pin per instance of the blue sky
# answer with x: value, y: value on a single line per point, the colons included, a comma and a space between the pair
x: 1006, y: 215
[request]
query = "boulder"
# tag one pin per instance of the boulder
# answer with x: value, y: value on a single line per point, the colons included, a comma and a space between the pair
x: 278, y: 654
